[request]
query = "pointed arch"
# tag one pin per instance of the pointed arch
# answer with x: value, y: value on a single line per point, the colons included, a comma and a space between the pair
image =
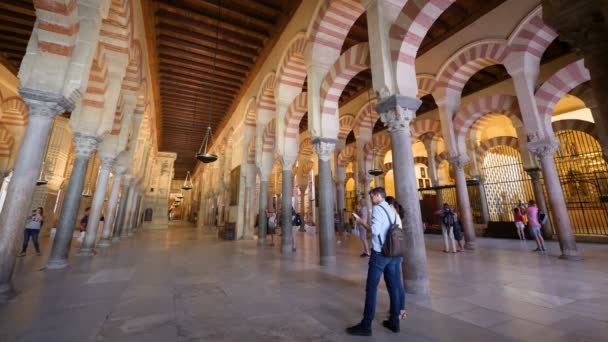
x: 557, y: 86
x: 350, y: 63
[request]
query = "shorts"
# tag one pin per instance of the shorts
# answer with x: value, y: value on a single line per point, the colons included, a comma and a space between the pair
x: 535, y: 231
x: 520, y: 225
x: 362, y: 233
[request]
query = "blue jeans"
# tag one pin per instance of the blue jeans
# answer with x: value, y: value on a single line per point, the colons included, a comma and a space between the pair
x: 26, y: 238
x: 379, y: 264
x: 398, y: 281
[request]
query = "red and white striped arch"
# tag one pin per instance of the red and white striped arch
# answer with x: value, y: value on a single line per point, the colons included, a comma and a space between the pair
x: 426, y: 84
x: 486, y: 120
x: 251, y: 152
x: 557, y: 86
x: 532, y: 36
x: 575, y: 125
x: 347, y: 155
x: 266, y: 103
x: 408, y: 32
x: 94, y: 96
x: 306, y: 147
x: 367, y: 116
x: 493, y: 142
x: 459, y: 68
x: 294, y: 115
x: 476, y: 109
x: 292, y: 69
x: 250, y: 113
x: 425, y: 126
x: 14, y: 112
x: 57, y: 26
x: 6, y: 142
x: 269, y: 137
x: 377, y: 147
x: 116, y: 33
x: 347, y: 123
x: 350, y: 63
x: 330, y: 26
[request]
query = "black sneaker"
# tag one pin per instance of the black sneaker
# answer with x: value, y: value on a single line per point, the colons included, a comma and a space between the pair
x: 363, y: 255
x: 537, y: 250
x: 390, y: 326
x: 359, y: 330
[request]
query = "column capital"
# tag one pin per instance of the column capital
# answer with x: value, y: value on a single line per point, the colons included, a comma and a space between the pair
x: 107, y: 163
x: 458, y: 161
x: 397, y: 112
x: 287, y: 162
x: 324, y: 147
x: 534, y: 173
x: 85, y: 145
x: 47, y: 105
x: 544, y: 147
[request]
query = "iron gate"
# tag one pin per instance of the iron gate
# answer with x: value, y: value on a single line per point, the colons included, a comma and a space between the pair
x: 584, y: 178
x: 431, y: 200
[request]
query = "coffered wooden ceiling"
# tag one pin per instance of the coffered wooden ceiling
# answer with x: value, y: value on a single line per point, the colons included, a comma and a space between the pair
x: 185, y: 32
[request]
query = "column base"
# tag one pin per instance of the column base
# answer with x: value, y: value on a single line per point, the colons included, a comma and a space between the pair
x: 86, y: 252
x: 261, y: 242
x: 104, y: 243
x: 327, y: 260
x: 116, y: 239
x: 57, y: 264
x: 287, y: 250
x: 7, y: 292
x: 571, y: 257
x: 470, y: 246
x: 247, y: 237
x: 417, y: 286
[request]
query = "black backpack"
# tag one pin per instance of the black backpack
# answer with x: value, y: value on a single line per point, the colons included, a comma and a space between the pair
x: 394, y: 246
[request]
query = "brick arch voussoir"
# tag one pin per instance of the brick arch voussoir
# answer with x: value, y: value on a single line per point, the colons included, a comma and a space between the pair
x: 532, y: 36
x: 575, y: 125
x: 295, y: 112
x: 482, y: 149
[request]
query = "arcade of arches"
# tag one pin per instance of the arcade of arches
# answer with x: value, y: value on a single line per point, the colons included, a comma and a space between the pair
x: 480, y: 104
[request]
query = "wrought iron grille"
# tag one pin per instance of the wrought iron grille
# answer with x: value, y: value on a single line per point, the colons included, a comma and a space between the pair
x: 583, y: 175
x: 506, y: 183
x: 431, y: 200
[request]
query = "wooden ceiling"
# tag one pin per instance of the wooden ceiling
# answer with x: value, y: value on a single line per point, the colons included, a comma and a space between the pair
x: 17, y: 19
x: 190, y: 89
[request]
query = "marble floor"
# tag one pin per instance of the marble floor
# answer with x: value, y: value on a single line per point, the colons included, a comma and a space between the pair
x: 185, y: 285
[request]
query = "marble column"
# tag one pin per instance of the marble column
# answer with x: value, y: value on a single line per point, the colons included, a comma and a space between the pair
x: 303, y: 208
x: 110, y: 217
x: 327, y: 238
x: 137, y: 205
x: 367, y: 179
x: 88, y: 245
x: 485, y: 212
x: 122, y: 209
x: 42, y: 107
x: 464, y: 204
x: 247, y: 229
x: 85, y: 145
x: 287, y: 188
x: 544, y: 150
x: 340, y: 199
x: 262, y: 211
x: 584, y: 24
x: 398, y: 112
x: 539, y: 196
x: 126, y: 227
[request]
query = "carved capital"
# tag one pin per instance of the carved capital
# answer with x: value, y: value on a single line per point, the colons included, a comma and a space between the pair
x: 398, y: 118
x: 543, y: 148
x: 534, y: 174
x: 107, y: 163
x: 458, y: 161
x: 85, y: 145
x: 46, y: 105
x: 287, y: 162
x: 324, y: 148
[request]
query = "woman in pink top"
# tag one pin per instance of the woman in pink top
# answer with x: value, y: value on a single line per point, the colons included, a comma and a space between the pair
x: 519, y: 223
x: 532, y: 213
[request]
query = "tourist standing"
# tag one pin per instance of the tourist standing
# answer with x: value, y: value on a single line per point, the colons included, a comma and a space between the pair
x: 400, y: 214
x: 84, y: 222
x: 447, y: 228
x: 361, y: 211
x: 271, y: 218
x: 458, y: 233
x: 519, y: 223
x: 32, y: 229
x: 382, y: 219
x: 532, y: 213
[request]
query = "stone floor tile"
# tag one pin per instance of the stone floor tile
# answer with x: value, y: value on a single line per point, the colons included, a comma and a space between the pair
x: 482, y: 317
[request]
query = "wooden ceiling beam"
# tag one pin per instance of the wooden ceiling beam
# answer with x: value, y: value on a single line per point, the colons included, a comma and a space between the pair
x: 15, y: 18
x: 204, y: 50
x: 201, y: 59
x: 190, y: 16
x: 193, y: 100
x: 194, y: 81
x: 16, y: 28
x: 19, y: 7
x: 256, y: 7
x: 165, y: 60
x: 201, y: 92
x: 204, y: 55
x: 212, y: 7
x: 216, y: 79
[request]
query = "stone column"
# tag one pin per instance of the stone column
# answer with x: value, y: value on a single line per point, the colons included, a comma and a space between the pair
x: 85, y: 145
x: 327, y: 238
x: 485, y: 213
x: 340, y: 199
x: 247, y: 231
x: 539, y: 196
x: 458, y: 162
x: 544, y: 150
x: 42, y: 108
x: 97, y: 206
x: 398, y: 112
x: 584, y: 24
x: 262, y: 211
x: 126, y: 227
x: 367, y: 179
x: 136, y: 206
x: 303, y: 207
x: 110, y: 216
x: 122, y: 208
x: 287, y: 188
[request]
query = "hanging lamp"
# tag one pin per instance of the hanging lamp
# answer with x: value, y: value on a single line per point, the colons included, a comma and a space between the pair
x: 179, y: 196
x: 375, y: 171
x: 203, y: 154
x: 187, y: 182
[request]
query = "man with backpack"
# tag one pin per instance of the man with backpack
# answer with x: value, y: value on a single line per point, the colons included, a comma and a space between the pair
x: 448, y: 221
x: 383, y: 220
x: 536, y: 218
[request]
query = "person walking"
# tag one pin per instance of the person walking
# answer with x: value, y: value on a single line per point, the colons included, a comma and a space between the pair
x: 361, y: 211
x: 32, y: 230
x: 533, y: 221
x: 447, y: 228
x: 383, y: 217
x: 519, y: 223
x: 400, y: 213
x: 458, y: 233
x: 271, y: 218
